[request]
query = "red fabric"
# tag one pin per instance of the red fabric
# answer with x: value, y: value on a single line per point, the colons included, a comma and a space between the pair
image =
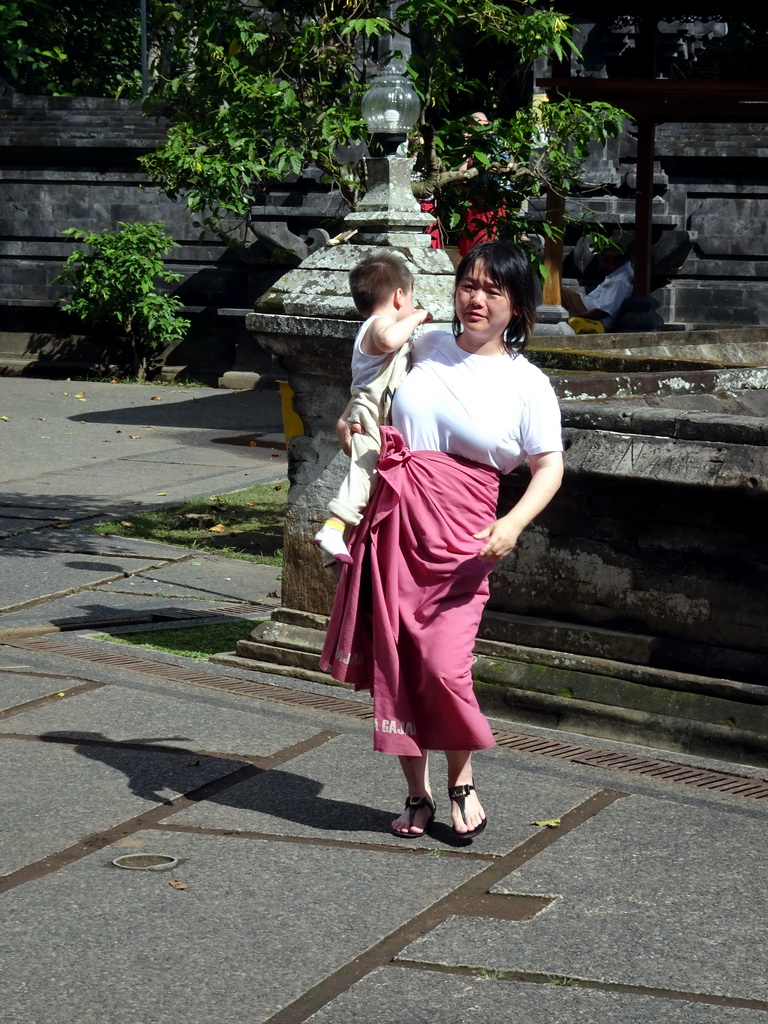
x: 407, y: 610
x: 481, y: 226
x: 428, y: 206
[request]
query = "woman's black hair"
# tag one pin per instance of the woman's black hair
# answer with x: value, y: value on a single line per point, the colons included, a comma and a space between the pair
x: 510, y: 269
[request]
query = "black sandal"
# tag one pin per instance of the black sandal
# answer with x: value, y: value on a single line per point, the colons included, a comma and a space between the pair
x: 458, y: 795
x: 412, y: 805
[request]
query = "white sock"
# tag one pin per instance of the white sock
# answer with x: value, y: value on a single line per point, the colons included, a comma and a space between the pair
x: 330, y: 539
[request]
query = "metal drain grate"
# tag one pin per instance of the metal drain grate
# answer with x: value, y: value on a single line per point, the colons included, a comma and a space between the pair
x: 702, y: 778
x: 246, y: 687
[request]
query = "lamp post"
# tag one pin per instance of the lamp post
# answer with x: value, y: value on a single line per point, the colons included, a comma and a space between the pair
x: 144, y: 48
x: 388, y: 213
x: 390, y: 109
x: 307, y: 318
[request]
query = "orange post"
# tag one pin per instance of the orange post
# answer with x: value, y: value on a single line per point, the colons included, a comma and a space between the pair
x: 292, y: 425
x: 553, y: 250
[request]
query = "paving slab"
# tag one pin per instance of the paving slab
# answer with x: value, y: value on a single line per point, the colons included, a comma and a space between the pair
x: 237, y: 944
x: 234, y: 456
x: 30, y: 575
x: 46, y: 505
x: 9, y: 526
x: 81, y: 449
x: 25, y: 512
x: 396, y: 995
x: 114, y: 673
x: 73, y: 539
x: 120, y: 481
x: 209, y: 576
x: 648, y: 894
x: 120, y: 715
x: 55, y: 794
x: 345, y: 791
x: 45, y: 418
x: 19, y: 687
x: 91, y: 609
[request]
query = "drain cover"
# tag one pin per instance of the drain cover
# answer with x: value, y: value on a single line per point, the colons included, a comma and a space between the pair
x: 146, y: 861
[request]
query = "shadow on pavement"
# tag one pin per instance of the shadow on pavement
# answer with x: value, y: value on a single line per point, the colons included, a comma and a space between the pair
x: 282, y: 795
x: 252, y: 410
x: 287, y: 796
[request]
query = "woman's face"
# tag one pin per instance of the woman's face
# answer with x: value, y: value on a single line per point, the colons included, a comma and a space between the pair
x: 482, y: 306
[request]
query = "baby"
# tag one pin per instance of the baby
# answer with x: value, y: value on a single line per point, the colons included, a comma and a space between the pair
x: 382, y: 290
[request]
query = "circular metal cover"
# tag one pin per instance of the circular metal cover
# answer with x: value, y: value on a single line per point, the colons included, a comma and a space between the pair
x: 146, y: 861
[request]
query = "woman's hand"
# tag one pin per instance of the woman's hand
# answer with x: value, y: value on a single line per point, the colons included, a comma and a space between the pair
x: 500, y: 538
x: 345, y: 429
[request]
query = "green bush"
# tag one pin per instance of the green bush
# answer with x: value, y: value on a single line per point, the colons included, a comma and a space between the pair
x: 113, y: 284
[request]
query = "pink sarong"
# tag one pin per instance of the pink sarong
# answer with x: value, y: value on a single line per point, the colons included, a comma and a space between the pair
x: 407, y: 610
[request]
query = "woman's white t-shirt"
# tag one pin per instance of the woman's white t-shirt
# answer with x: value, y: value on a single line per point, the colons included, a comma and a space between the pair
x: 494, y: 410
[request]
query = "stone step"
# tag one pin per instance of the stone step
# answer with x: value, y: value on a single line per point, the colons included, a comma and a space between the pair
x: 285, y: 657
x: 493, y: 658
x: 293, y: 637
x: 649, y: 654
x: 644, y: 658
x: 284, y: 644
x: 592, y: 384
x: 612, y: 362
x: 273, y: 668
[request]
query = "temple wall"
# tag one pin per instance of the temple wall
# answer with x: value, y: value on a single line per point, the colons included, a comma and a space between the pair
x: 711, y: 183
x: 681, y: 562
x: 74, y: 163
x: 710, y: 180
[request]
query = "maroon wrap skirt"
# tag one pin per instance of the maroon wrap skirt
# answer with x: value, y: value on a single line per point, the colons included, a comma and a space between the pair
x: 407, y: 610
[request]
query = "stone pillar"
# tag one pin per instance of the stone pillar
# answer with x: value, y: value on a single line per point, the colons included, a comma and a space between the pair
x: 308, y: 320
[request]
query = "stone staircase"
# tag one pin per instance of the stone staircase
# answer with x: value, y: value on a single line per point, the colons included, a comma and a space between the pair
x: 603, y: 682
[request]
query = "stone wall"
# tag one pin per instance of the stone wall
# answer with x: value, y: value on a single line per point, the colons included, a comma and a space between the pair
x: 711, y: 183
x: 717, y: 190
x: 683, y: 563
x: 655, y: 550
x: 74, y: 163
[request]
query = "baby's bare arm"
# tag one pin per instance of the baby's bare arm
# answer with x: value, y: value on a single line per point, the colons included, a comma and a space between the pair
x: 391, y: 335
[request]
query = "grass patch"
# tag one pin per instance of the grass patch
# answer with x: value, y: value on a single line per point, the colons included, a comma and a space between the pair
x: 488, y: 975
x: 247, y: 524
x: 190, y: 641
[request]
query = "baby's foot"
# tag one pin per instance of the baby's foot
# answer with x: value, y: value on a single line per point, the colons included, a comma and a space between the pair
x: 330, y: 539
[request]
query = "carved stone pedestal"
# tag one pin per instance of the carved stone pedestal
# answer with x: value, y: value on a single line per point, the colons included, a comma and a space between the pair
x: 307, y: 319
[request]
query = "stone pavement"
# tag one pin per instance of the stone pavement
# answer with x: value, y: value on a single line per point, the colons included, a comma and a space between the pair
x: 290, y: 901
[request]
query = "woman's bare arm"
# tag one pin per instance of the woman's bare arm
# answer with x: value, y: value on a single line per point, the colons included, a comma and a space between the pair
x: 501, y: 536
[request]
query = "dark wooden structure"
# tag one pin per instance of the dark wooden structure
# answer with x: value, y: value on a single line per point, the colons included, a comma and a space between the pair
x: 651, y: 99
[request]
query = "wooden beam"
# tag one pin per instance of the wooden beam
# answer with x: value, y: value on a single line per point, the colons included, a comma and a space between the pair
x: 646, y: 141
x: 670, y: 102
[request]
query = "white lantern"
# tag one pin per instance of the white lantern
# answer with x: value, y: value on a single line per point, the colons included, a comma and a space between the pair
x: 390, y: 107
